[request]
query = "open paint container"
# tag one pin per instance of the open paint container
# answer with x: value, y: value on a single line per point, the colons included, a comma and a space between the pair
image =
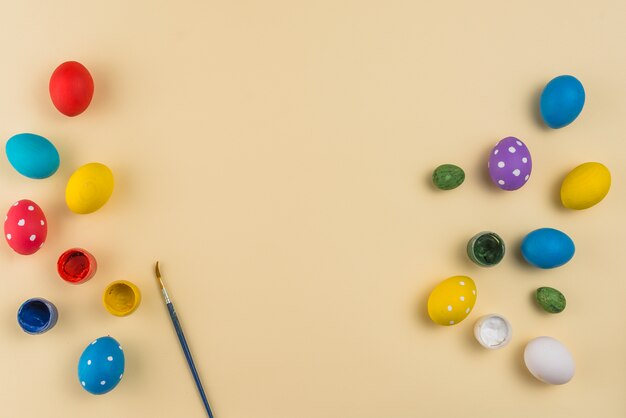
x: 493, y: 331
x: 486, y: 249
x: 37, y: 315
x: 121, y: 298
x: 76, y: 266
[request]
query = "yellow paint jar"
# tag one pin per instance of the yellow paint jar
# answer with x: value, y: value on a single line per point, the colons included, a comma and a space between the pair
x: 121, y: 298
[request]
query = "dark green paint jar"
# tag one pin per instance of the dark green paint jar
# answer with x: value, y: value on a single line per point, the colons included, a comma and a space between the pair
x: 486, y: 249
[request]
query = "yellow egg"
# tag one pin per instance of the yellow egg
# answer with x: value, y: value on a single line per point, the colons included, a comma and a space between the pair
x: 89, y: 188
x: 452, y: 300
x: 585, y: 186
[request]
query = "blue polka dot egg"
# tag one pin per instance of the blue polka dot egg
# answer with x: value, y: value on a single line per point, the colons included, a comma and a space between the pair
x: 510, y: 164
x: 101, y: 366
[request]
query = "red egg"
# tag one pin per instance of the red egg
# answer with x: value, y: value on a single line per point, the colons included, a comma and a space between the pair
x: 71, y: 88
x: 25, y: 227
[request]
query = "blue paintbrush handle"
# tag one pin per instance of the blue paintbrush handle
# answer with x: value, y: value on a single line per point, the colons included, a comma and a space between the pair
x: 192, y: 367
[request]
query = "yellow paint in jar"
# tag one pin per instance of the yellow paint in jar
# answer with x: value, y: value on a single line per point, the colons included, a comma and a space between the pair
x: 585, y: 186
x: 121, y: 298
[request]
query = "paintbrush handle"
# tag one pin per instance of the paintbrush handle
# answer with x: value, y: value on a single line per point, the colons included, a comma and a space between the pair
x: 192, y: 367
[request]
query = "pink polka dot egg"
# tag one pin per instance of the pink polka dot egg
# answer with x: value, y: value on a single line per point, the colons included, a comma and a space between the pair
x: 510, y: 164
x: 25, y: 227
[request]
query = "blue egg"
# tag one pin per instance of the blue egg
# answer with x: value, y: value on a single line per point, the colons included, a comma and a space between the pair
x: 562, y: 100
x: 32, y: 155
x: 547, y: 248
x: 101, y: 366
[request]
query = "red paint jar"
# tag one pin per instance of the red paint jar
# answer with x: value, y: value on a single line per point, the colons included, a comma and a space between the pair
x: 76, y: 266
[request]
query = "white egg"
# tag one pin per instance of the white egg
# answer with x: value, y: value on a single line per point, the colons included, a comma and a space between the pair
x: 549, y: 360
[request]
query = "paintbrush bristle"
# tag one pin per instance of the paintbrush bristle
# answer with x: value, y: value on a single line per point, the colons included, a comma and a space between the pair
x: 160, y: 280
x: 158, y: 275
x: 157, y: 271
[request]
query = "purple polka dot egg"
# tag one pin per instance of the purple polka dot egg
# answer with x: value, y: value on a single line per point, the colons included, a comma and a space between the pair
x: 510, y: 164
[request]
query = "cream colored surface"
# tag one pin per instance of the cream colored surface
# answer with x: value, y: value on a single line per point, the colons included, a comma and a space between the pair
x: 275, y: 157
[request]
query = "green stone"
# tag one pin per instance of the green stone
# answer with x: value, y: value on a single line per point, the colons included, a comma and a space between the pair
x: 448, y: 176
x: 551, y: 300
x: 486, y: 249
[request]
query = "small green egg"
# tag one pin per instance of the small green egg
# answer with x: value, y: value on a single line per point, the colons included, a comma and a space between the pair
x: 448, y: 176
x: 550, y: 299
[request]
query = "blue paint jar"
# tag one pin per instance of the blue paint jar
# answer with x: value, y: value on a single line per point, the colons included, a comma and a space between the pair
x: 37, y: 315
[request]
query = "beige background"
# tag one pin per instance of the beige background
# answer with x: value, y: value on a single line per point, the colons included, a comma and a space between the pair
x: 275, y: 156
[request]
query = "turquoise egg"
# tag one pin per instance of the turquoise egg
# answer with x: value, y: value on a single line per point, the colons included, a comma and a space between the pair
x: 547, y: 248
x: 101, y: 366
x: 32, y: 155
x: 561, y: 101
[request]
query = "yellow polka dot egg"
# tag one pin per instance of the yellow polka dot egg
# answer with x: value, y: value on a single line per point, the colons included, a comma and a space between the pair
x: 452, y: 300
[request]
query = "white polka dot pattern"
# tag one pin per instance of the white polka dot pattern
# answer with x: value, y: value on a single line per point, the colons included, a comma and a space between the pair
x: 511, y: 168
x: 449, y: 302
x: 25, y: 227
x: 101, y: 366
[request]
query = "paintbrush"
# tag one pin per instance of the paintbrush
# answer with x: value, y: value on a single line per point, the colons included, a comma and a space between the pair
x: 183, y: 341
